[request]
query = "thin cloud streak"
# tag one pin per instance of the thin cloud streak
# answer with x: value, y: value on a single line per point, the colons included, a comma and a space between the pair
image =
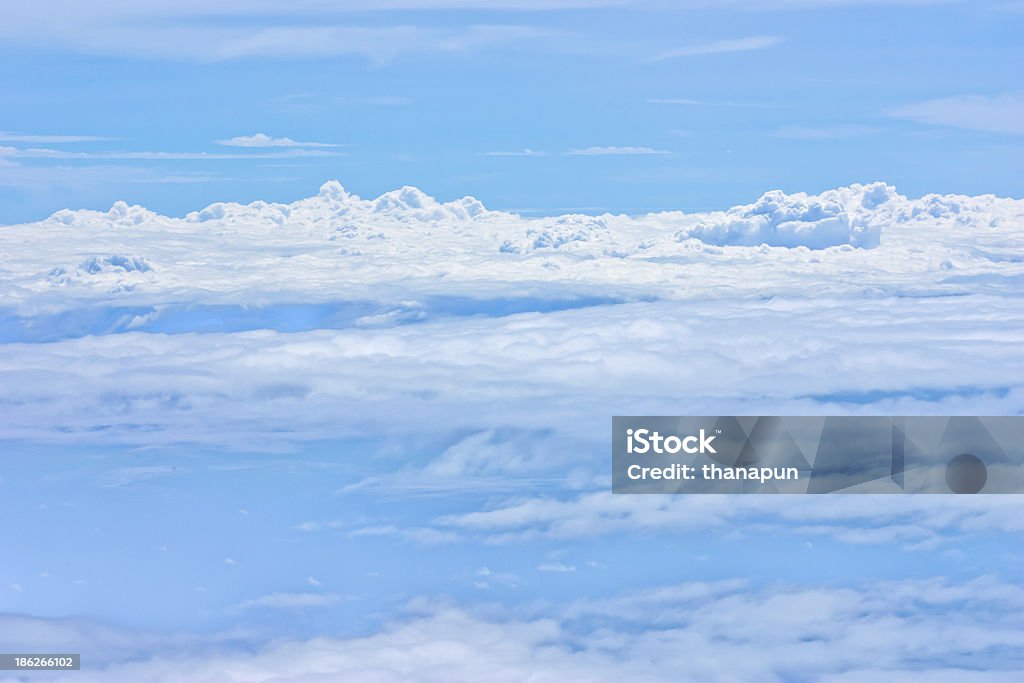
x: 1002, y: 113
x: 597, y: 150
x: 612, y: 151
x: 10, y: 136
x: 45, y: 153
x: 262, y: 140
x: 720, y: 47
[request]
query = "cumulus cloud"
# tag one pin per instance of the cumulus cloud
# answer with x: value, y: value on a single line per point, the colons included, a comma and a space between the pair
x: 478, y: 354
x: 543, y: 321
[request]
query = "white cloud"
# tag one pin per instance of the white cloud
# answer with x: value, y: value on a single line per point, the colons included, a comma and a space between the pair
x: 523, y: 372
x: 1003, y: 113
x: 719, y: 47
x: 823, y: 132
x: 527, y: 152
x: 686, y: 101
x: 126, y: 476
x: 8, y: 136
x: 481, y: 461
x: 314, y: 525
x: 264, y: 140
x: 418, y: 535
x: 104, y: 642
x: 47, y: 153
x: 72, y: 179
x: 910, y: 630
x: 866, y: 341
x: 909, y: 521
x: 229, y: 29
x: 122, y: 31
x: 556, y: 567
x: 867, y: 302
x: 290, y: 601
x: 586, y: 151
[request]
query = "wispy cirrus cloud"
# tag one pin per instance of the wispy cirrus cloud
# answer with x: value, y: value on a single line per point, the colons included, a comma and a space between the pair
x: 317, y: 525
x: 49, y: 153
x: 689, y: 101
x: 525, y: 152
x: 556, y: 567
x: 35, y: 177
x: 127, y: 476
x: 1002, y: 113
x: 289, y: 601
x: 823, y: 132
x: 715, y: 47
x: 11, y: 136
x: 597, y: 150
x: 208, y: 41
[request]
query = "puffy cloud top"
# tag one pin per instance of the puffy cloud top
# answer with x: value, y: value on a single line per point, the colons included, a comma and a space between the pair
x: 338, y: 245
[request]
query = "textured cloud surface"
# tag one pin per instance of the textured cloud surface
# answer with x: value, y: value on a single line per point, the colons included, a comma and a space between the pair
x: 720, y: 631
x: 273, y: 322
x: 405, y: 245
x: 344, y: 388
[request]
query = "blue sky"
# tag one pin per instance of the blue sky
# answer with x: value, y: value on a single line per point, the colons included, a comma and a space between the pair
x: 629, y: 106
x: 367, y: 437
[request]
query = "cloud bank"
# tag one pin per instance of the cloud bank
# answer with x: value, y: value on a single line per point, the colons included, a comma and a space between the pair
x: 914, y: 630
x: 457, y: 366
x: 237, y: 320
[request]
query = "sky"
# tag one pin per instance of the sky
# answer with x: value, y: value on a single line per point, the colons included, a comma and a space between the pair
x: 536, y: 107
x: 280, y: 400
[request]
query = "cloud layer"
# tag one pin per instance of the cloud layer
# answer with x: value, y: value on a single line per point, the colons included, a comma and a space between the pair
x: 914, y: 630
x: 434, y: 380
x: 238, y: 318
